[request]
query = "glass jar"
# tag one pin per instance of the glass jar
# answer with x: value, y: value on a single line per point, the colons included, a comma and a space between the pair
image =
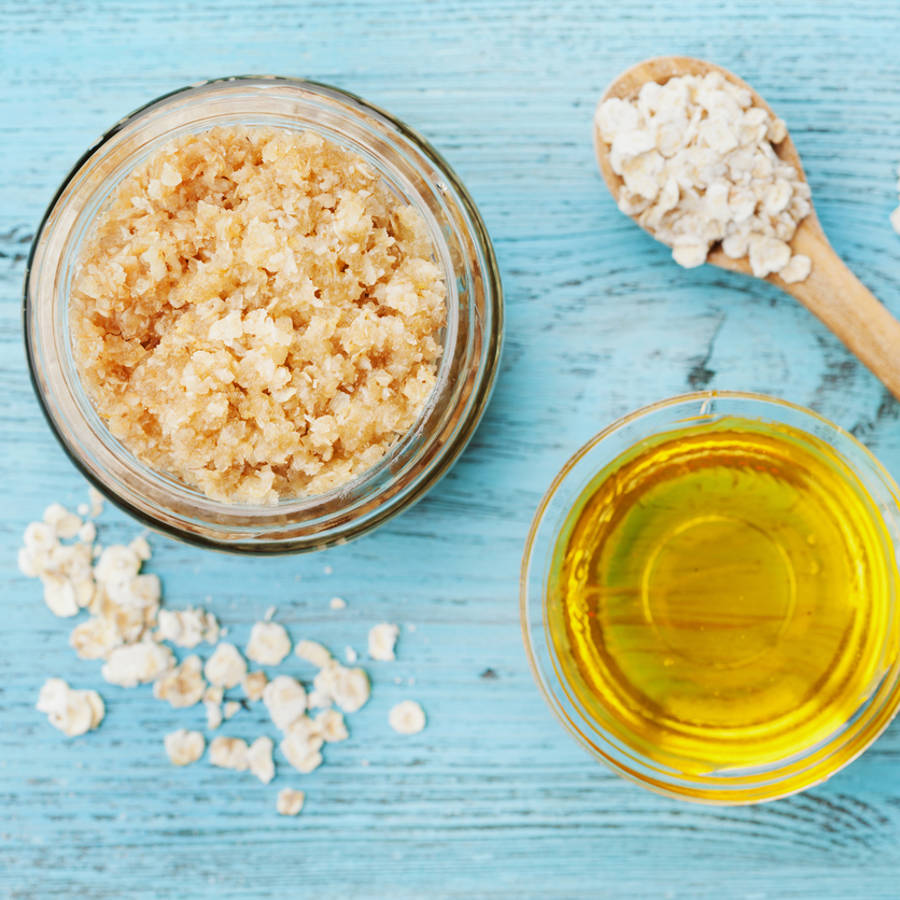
x: 751, y: 783
x: 471, y: 341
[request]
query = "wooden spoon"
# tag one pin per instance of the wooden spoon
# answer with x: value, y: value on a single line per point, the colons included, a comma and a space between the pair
x: 831, y: 292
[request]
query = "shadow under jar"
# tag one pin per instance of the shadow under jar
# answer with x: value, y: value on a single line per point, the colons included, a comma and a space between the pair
x: 471, y: 338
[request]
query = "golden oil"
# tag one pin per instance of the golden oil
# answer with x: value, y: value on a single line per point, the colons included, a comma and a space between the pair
x: 720, y: 595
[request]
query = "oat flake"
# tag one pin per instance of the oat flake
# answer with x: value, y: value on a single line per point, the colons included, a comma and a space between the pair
x: 259, y: 757
x: 382, y: 639
x: 407, y: 717
x: 72, y: 711
x: 138, y: 663
x: 290, y: 802
x: 254, y: 685
x: 226, y: 667
x: 188, y: 627
x: 301, y: 745
x: 229, y: 753
x: 348, y: 688
x: 184, y: 747
x: 285, y: 699
x: 330, y: 725
x: 699, y: 167
x: 269, y: 643
x: 313, y: 652
x: 184, y: 685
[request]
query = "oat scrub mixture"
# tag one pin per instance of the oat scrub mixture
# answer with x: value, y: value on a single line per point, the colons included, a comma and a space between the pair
x: 256, y: 314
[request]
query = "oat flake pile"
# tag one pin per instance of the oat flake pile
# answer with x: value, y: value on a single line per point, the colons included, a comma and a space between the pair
x: 129, y: 632
x: 699, y: 167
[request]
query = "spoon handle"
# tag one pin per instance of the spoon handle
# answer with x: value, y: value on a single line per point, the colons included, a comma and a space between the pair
x: 843, y: 303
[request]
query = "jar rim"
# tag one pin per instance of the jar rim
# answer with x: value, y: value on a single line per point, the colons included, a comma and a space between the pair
x: 762, y: 783
x: 285, y: 514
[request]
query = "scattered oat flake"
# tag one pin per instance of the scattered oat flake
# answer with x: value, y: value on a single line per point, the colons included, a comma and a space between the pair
x: 338, y: 603
x: 317, y: 699
x: 327, y: 570
x: 259, y: 757
x: 117, y: 565
x: 254, y: 685
x: 331, y: 726
x: 64, y: 523
x: 382, y: 639
x: 188, y: 627
x: 95, y: 638
x: 65, y: 570
x: 226, y: 667
x: 313, y: 652
x: 126, y: 628
x: 213, y: 694
x: 184, y: 685
x: 38, y: 536
x: 407, y: 717
x: 270, y: 614
x: 123, y: 602
x: 302, y: 753
x: 285, y: 699
x: 229, y: 753
x: 212, y: 703
x: 289, y: 802
x: 70, y: 710
x: 184, y: 747
x: 269, y: 643
x: 96, y: 500
x: 138, y: 663
x: 141, y: 547
x: 348, y: 688
x: 213, y: 714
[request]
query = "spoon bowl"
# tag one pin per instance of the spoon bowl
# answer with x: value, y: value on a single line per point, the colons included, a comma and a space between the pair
x: 831, y: 291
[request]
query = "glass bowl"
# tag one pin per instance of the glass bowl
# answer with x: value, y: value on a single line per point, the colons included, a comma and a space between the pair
x: 778, y: 777
x: 472, y: 337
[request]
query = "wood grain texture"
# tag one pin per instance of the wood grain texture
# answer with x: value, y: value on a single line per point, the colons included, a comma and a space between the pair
x: 492, y: 799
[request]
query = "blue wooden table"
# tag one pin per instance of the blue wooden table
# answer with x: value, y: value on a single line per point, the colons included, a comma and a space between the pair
x: 492, y: 799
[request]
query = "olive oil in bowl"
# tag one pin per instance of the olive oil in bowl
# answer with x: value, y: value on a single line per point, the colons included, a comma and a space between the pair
x: 723, y: 592
x: 719, y: 603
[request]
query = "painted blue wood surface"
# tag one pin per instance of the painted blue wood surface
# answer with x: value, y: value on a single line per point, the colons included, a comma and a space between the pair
x: 492, y: 798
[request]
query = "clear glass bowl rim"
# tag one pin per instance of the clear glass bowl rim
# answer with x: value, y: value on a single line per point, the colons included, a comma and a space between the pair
x: 548, y: 680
